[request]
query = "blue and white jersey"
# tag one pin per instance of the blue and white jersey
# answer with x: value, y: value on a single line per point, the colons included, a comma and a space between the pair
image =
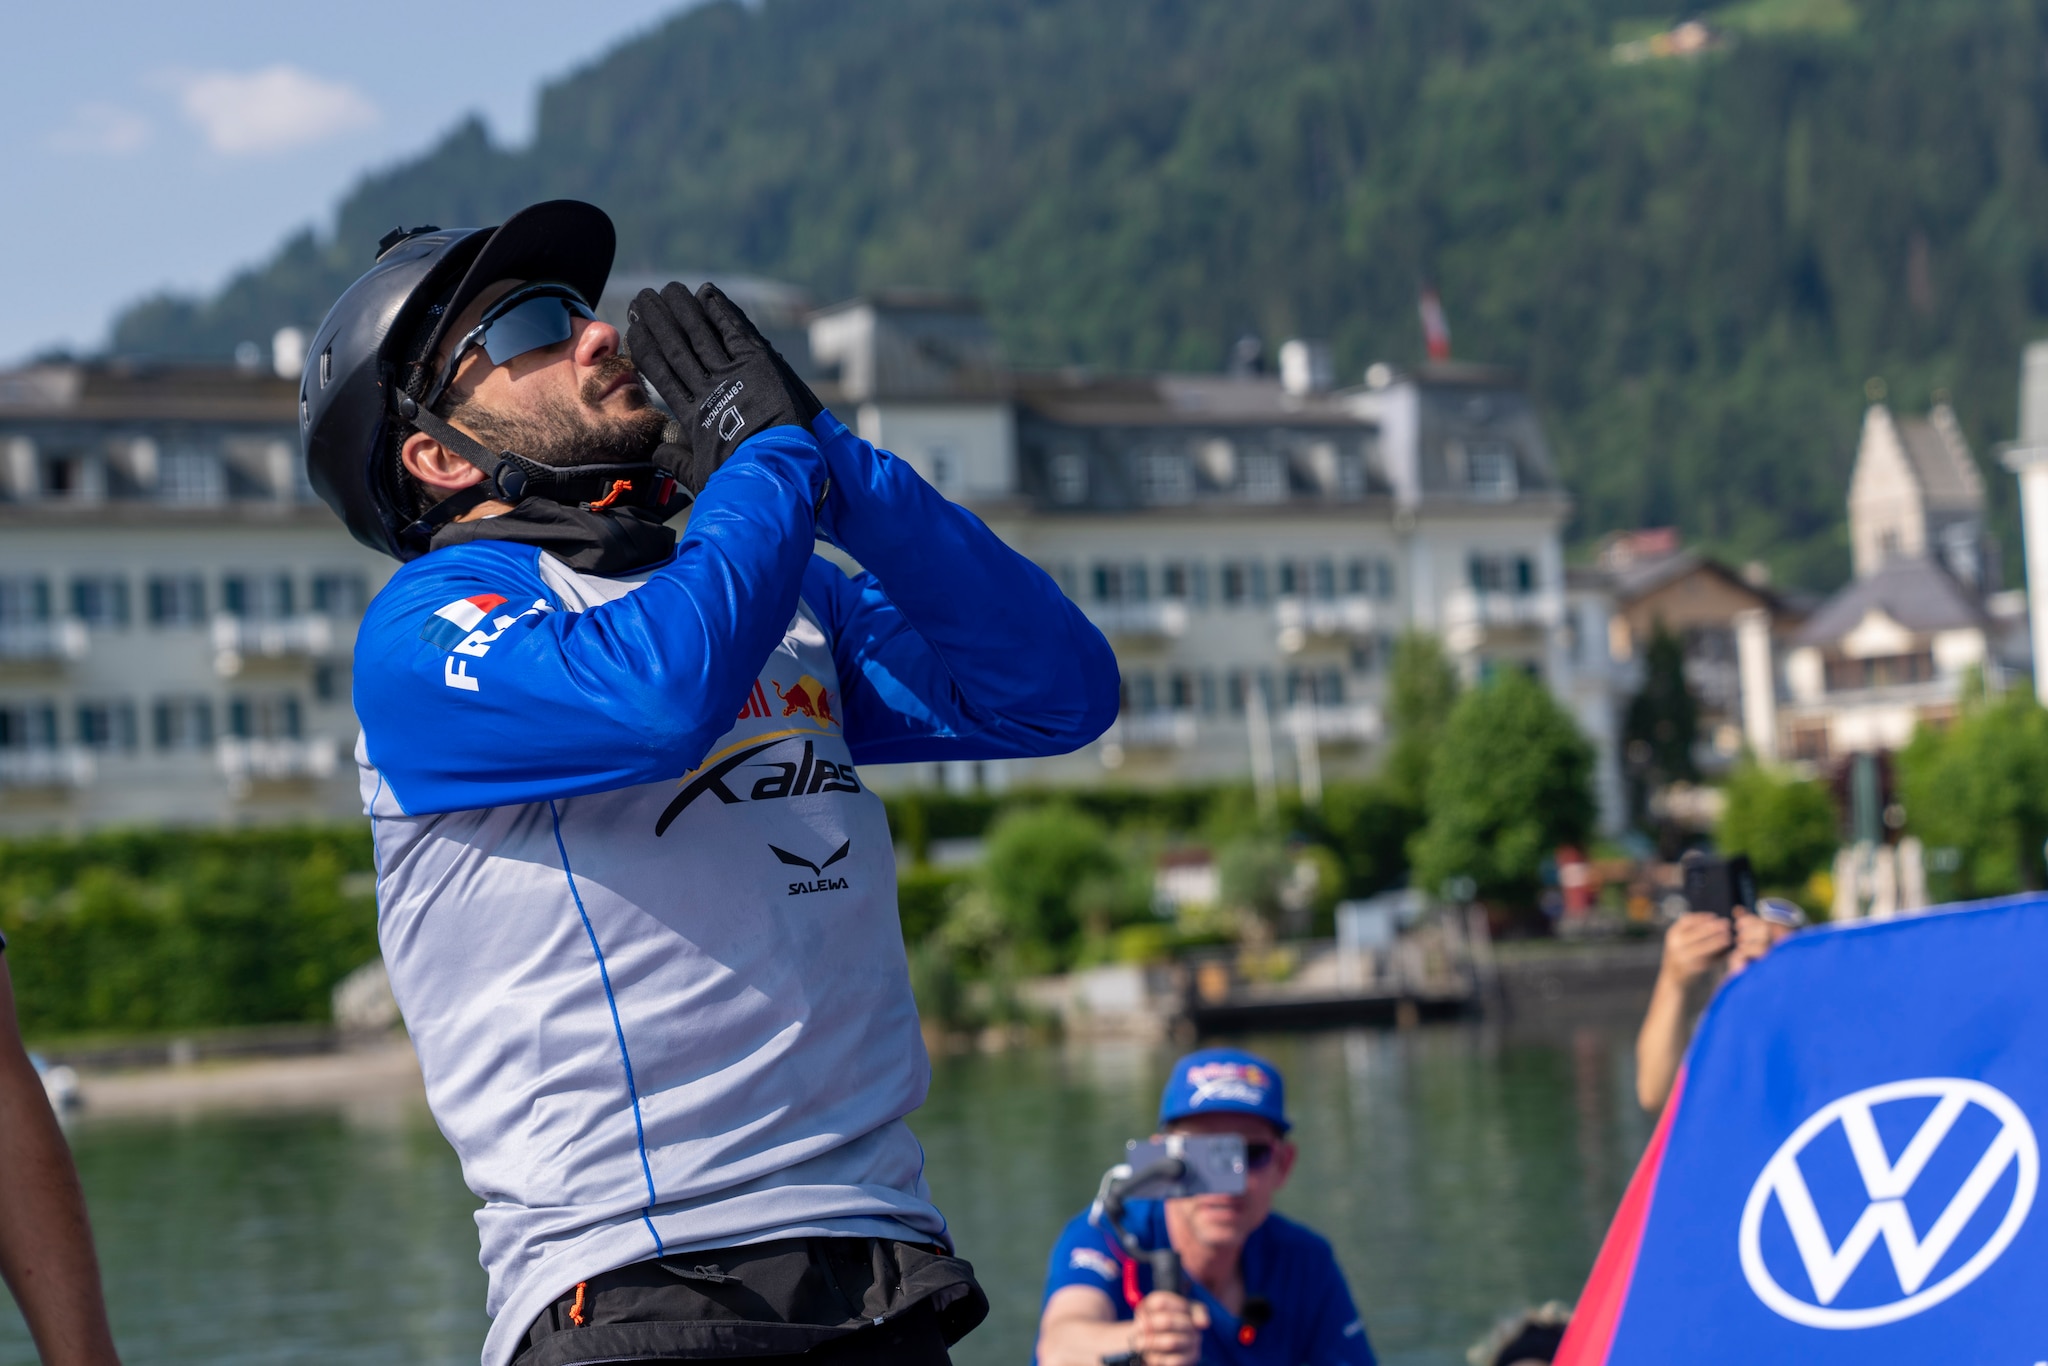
x: 637, y: 903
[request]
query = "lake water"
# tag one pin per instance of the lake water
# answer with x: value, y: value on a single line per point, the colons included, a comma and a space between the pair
x: 1461, y: 1172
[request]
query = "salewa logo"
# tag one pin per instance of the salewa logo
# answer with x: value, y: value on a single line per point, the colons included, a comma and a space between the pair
x: 724, y: 779
x: 823, y: 883
x: 1972, y: 1145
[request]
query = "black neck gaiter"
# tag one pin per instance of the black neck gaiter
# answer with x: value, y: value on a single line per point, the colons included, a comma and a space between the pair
x: 611, y: 542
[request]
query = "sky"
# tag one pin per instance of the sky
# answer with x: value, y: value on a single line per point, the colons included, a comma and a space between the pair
x: 152, y: 146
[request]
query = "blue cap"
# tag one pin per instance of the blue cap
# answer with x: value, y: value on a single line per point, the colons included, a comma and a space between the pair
x: 1224, y: 1081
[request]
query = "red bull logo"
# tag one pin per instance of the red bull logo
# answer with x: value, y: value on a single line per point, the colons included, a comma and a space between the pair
x: 806, y: 697
x: 1235, y: 1081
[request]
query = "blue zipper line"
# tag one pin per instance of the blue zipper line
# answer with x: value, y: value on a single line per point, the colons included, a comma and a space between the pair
x: 639, y: 1129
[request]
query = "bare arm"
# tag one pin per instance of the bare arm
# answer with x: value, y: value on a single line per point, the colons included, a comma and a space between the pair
x: 46, y: 1251
x: 1692, y: 950
x: 1080, y: 1328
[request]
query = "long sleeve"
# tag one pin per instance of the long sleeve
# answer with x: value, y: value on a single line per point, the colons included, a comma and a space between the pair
x: 950, y: 645
x: 510, y: 700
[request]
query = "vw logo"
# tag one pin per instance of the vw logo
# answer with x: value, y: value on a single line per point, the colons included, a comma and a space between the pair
x: 1887, y: 1185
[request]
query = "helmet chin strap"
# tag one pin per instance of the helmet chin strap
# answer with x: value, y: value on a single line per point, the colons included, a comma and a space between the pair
x: 510, y: 477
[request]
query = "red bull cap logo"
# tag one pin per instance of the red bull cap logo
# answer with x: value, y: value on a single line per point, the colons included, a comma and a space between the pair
x: 1243, y: 1083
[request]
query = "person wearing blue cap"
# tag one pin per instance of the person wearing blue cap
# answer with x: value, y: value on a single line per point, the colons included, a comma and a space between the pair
x: 1262, y: 1289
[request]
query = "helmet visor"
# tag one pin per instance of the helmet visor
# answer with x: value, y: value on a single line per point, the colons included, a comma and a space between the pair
x: 526, y: 319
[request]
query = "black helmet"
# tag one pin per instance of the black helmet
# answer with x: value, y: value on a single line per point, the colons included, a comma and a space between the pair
x: 368, y: 362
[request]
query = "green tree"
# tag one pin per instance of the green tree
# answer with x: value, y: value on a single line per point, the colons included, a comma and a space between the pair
x: 1787, y: 826
x: 1663, y: 721
x: 1421, y: 690
x: 1038, y: 860
x: 1981, y: 788
x: 1367, y: 826
x: 1513, y: 780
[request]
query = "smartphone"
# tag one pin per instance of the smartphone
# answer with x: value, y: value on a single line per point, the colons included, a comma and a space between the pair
x: 1212, y: 1164
x: 1718, y: 885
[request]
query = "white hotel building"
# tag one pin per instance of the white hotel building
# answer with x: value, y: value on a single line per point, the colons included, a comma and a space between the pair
x: 177, y: 609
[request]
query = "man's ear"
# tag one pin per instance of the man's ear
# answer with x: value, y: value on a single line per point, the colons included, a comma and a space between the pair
x: 1284, y: 1152
x: 434, y: 465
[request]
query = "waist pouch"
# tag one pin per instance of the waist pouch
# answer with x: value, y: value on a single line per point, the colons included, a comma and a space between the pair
x: 765, y: 1299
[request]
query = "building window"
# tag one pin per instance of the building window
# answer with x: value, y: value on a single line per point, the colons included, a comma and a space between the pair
x: 1503, y: 574
x: 1069, y: 478
x: 24, y: 601
x: 1180, y: 692
x: 943, y: 466
x: 100, y: 601
x: 340, y: 594
x: 1144, y: 693
x: 1257, y: 574
x: 30, y: 725
x: 1164, y: 479
x: 1490, y: 471
x: 1265, y: 478
x: 182, y: 723
x: 177, y: 600
x: 1206, y: 688
x: 264, y: 718
x: 1289, y: 574
x: 1173, y: 581
x: 1237, y: 688
x: 106, y: 725
x: 191, y: 478
x: 1235, y: 586
x: 1109, y: 583
x: 1136, y: 582
x: 257, y: 597
x: 1325, y: 579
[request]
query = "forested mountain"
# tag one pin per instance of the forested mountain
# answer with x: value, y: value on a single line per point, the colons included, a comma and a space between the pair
x: 1698, y: 261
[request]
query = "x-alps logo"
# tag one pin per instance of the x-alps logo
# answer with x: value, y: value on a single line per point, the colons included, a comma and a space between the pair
x: 768, y: 771
x: 1939, y: 1172
x: 822, y: 883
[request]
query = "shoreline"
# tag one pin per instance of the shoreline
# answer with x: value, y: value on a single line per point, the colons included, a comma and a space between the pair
x: 383, y: 1071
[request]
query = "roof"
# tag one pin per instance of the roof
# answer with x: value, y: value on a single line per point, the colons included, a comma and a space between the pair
x: 1940, y: 457
x: 123, y: 391
x: 1916, y: 593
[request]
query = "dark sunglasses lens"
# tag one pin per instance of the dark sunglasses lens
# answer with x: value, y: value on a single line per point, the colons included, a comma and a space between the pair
x: 1258, y: 1156
x: 527, y: 327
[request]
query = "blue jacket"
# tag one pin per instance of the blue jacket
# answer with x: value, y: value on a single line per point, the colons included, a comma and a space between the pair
x: 638, y: 903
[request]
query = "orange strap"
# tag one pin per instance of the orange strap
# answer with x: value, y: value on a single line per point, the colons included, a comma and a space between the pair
x: 576, y: 1309
x: 619, y: 486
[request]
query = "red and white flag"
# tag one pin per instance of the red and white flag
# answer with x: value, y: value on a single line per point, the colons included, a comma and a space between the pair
x: 1436, y: 328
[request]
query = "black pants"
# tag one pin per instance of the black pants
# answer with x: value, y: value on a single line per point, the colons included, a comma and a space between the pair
x: 840, y: 1301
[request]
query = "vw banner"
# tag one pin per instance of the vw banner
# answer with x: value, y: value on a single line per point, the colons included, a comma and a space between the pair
x: 1850, y: 1168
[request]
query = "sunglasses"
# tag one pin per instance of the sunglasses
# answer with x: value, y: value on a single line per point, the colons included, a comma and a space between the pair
x: 527, y: 319
x: 1258, y: 1156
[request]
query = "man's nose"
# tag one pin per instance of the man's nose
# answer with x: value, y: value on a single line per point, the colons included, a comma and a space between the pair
x: 597, y: 343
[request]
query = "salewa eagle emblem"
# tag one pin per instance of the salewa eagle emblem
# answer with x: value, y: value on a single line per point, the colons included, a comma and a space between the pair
x: 823, y: 883
x: 1951, y: 1201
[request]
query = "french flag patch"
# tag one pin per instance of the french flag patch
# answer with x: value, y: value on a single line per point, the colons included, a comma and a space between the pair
x: 451, y: 625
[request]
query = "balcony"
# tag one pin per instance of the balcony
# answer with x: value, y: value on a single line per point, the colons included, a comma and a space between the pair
x: 42, y: 642
x: 237, y: 640
x: 1301, y: 620
x: 56, y: 768
x: 243, y: 761
x: 1472, y: 616
x: 1153, y: 730
x: 1352, y: 725
x: 1135, y: 621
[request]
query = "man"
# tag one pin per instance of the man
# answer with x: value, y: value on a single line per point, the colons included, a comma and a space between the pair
x: 1263, y: 1289
x: 636, y: 899
x: 1701, y: 951
x: 46, y: 1251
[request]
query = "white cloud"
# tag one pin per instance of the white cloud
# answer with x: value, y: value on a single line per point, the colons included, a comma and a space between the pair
x: 270, y: 110
x: 102, y: 130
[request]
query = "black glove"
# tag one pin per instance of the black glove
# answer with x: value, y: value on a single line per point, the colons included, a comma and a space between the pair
x: 718, y: 374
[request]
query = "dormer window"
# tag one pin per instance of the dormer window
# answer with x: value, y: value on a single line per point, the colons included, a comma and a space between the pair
x: 1490, y: 472
x: 1069, y: 478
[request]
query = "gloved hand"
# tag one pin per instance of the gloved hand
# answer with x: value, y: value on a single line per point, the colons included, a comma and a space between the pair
x: 719, y: 375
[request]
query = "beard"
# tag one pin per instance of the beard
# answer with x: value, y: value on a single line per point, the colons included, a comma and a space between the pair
x: 562, y: 432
